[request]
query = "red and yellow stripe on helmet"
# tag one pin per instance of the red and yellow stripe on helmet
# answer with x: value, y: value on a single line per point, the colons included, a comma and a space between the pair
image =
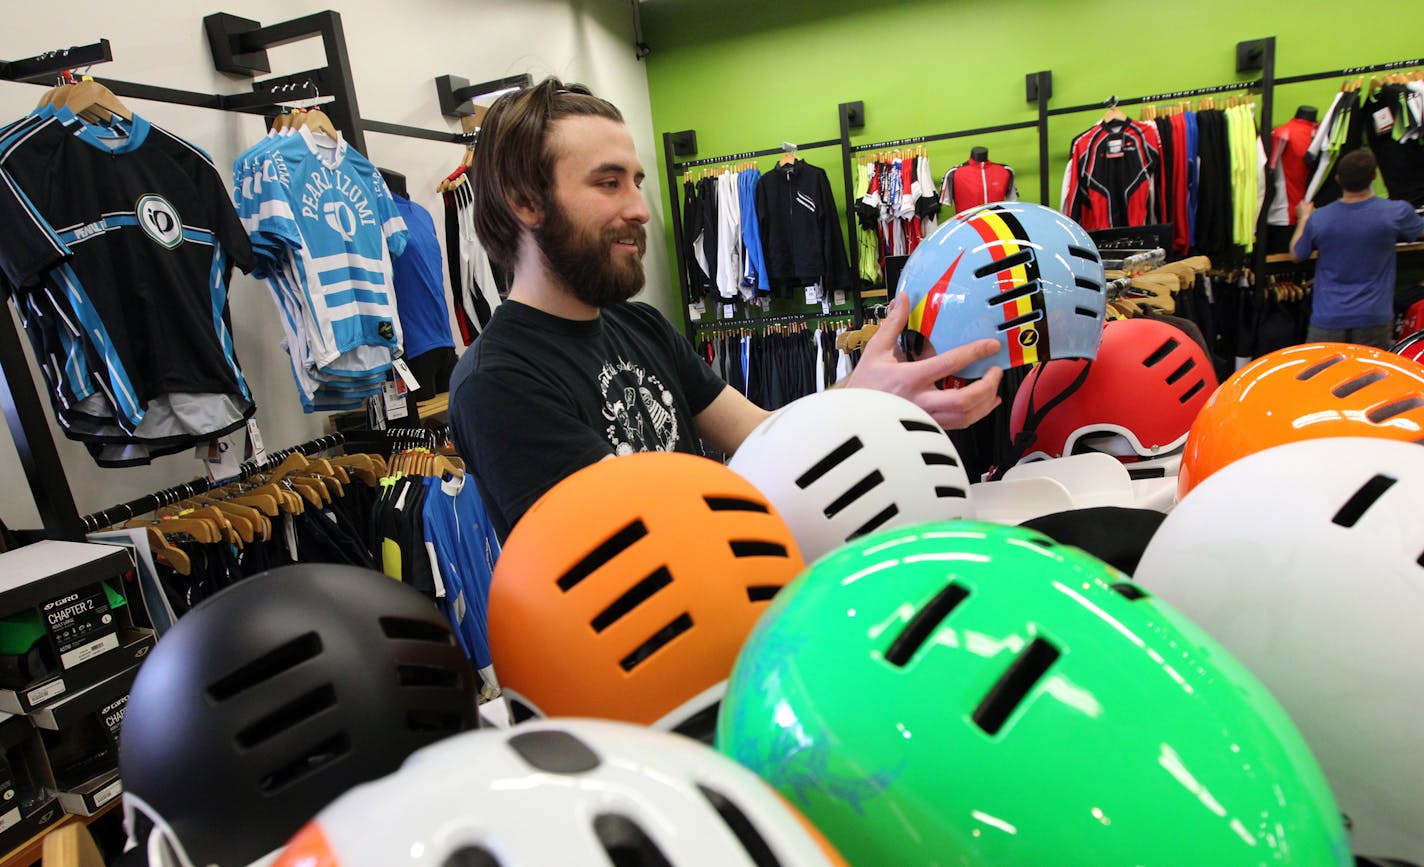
x: 1026, y: 341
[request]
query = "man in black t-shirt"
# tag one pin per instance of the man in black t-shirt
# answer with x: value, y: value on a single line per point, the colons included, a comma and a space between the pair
x: 568, y: 371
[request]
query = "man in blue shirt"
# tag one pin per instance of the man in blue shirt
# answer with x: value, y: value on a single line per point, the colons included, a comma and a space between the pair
x: 1355, y: 235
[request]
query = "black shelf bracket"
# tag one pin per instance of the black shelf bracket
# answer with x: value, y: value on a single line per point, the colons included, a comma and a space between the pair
x: 455, y: 92
x: 1252, y: 54
x: 854, y: 114
x: 222, y: 30
x: 684, y: 142
x: 51, y: 63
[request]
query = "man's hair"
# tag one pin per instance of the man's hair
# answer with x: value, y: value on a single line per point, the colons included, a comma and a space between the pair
x: 513, y: 161
x: 1356, y: 171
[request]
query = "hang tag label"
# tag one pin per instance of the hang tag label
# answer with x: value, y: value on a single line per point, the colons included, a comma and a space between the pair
x: 254, y: 438
x: 812, y: 296
x: 840, y: 297
x: 1384, y: 120
x: 406, y: 376
x: 393, y: 400
x: 697, y: 310
x: 728, y: 311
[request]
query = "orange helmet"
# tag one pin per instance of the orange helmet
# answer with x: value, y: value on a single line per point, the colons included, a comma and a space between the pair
x: 627, y: 590
x: 1300, y: 393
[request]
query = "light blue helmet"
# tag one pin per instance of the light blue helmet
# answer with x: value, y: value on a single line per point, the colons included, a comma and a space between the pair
x: 1020, y: 273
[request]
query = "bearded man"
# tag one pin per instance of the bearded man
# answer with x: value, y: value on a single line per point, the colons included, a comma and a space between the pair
x: 553, y: 383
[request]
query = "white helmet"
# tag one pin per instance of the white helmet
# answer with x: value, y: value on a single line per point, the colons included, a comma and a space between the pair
x: 844, y: 462
x: 1304, y: 561
x: 566, y: 791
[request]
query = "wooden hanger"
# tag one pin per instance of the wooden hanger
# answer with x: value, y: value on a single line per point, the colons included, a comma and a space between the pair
x: 89, y: 94
x: 227, y: 525
x: 167, y: 552
x: 261, y: 526
x: 203, y: 530
x: 316, y: 120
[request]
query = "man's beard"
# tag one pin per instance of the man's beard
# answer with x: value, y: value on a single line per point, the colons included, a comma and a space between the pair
x: 586, y: 262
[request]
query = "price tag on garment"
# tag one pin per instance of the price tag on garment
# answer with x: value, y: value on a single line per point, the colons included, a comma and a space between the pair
x: 254, y: 438
x: 1384, y: 120
x: 403, y: 370
x: 393, y: 400
x: 812, y: 296
x: 825, y: 305
x: 697, y: 310
x: 728, y: 311
x: 840, y: 298
x: 222, y: 457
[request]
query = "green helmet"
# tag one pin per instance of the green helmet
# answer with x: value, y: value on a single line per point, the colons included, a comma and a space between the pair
x: 976, y: 694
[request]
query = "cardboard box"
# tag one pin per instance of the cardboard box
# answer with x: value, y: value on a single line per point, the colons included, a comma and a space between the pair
x: 85, y: 638
x: 81, y: 742
x: 27, y: 803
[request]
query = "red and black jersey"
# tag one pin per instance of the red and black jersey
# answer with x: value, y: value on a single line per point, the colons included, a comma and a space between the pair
x: 1112, y: 176
x: 1289, y: 171
x: 973, y: 183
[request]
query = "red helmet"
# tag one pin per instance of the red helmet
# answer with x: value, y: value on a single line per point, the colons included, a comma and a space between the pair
x: 1148, y: 383
x: 1411, y: 347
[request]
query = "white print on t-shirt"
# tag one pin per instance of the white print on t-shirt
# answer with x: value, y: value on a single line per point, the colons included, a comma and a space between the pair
x: 639, y: 410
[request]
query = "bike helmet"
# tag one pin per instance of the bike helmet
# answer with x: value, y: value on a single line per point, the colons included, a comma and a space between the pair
x: 275, y: 695
x: 1147, y: 385
x: 1411, y: 347
x: 842, y: 463
x: 566, y: 791
x: 1020, y: 273
x: 1303, y: 560
x: 975, y: 694
x: 626, y: 590
x: 1304, y: 392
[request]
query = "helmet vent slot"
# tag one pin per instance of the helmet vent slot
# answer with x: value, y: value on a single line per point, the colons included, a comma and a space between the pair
x: 829, y: 462
x: 755, y: 548
x: 470, y: 856
x: 1084, y: 311
x: 1321, y: 367
x: 555, y: 752
x: 266, y: 667
x: 738, y: 823
x: 876, y: 522
x: 1129, y: 590
x: 640, y: 593
x: 404, y: 629
x: 626, y: 844
x: 1360, y: 502
x: 1345, y: 389
x: 660, y: 639
x: 1191, y: 392
x: 1014, y: 294
x: 914, y: 426
x: 938, y: 459
x: 1083, y: 253
x: 1022, y: 257
x: 427, y: 675
x: 1176, y: 375
x: 762, y: 592
x: 1085, y: 283
x: 735, y: 504
x: 923, y: 624
x: 288, y: 716
x: 310, y: 761
x: 427, y: 722
x: 858, y: 490
x: 1161, y: 352
x: 1031, y: 316
x: 1381, y: 414
x: 1014, y: 686
x: 615, y: 545
x: 952, y: 493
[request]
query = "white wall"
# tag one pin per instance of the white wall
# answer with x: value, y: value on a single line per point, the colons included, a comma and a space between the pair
x: 396, y: 52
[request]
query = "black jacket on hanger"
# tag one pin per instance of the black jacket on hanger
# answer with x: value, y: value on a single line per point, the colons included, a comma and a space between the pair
x: 800, y: 228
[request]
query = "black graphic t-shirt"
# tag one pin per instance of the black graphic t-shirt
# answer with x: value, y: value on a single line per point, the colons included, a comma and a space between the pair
x: 537, y: 398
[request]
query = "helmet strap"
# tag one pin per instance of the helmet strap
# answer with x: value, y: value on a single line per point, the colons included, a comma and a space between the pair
x: 1034, y: 417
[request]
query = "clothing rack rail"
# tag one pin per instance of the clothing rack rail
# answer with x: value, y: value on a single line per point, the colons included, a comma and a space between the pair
x: 672, y: 147
x: 1114, y: 102
x: 1350, y: 70
x: 922, y: 139
x: 177, y: 493
x: 753, y: 321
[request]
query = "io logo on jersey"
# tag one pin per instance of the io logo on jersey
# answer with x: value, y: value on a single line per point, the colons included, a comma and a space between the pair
x: 341, y: 219
x: 159, y: 220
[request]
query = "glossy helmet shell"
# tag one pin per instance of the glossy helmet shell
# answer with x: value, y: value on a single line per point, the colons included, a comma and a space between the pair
x: 1019, y: 273
x: 977, y: 694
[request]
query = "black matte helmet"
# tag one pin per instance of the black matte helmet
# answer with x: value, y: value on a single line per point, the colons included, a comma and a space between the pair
x: 273, y: 697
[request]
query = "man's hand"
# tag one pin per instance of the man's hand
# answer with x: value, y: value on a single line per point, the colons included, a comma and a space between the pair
x: 1304, y: 210
x: 883, y: 367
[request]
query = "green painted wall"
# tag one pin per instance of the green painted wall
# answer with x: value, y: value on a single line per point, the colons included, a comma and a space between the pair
x: 747, y: 75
